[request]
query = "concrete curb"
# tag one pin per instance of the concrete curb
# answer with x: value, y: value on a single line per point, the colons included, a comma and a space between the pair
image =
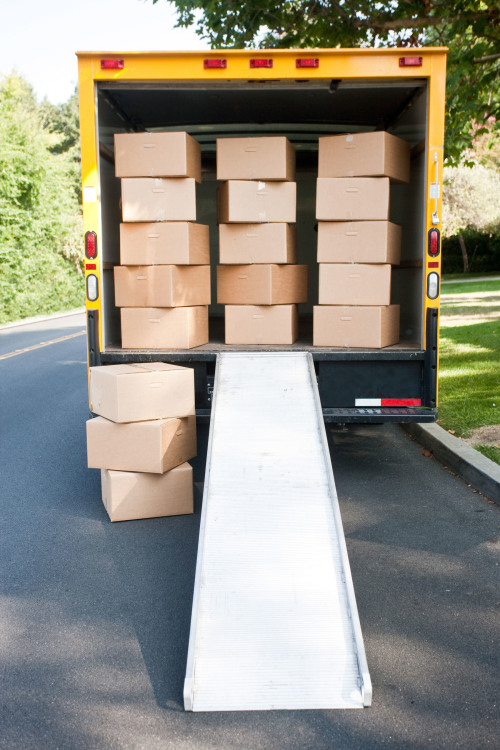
x: 461, y: 458
x: 41, y: 318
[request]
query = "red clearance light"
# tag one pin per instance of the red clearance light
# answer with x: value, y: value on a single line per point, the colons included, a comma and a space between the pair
x: 307, y: 62
x: 433, y: 244
x: 112, y: 64
x: 91, y: 266
x: 91, y: 245
x: 433, y: 264
x: 261, y: 62
x: 410, y: 62
x: 213, y: 62
x: 400, y: 402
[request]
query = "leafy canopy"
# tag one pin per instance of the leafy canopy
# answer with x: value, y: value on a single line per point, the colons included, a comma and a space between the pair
x: 40, y: 220
x: 470, y: 28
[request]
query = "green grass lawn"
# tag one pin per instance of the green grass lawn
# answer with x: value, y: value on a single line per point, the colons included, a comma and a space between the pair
x: 469, y: 391
x: 478, y: 275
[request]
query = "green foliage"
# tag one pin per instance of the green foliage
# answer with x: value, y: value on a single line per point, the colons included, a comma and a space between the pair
x: 64, y: 120
x: 483, y: 250
x: 471, y: 209
x: 467, y: 199
x: 470, y: 28
x: 40, y: 223
x: 35, y: 280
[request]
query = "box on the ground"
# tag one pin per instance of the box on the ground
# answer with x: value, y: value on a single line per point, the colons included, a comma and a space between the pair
x: 377, y: 154
x: 154, y: 446
x: 137, y: 392
x: 162, y: 286
x: 158, y: 199
x: 249, y: 202
x: 257, y: 243
x: 359, y: 242
x: 130, y: 495
x: 164, y: 327
x: 352, y: 199
x: 261, y: 284
x: 346, y: 326
x: 354, y: 284
x: 157, y: 155
x: 261, y: 324
x: 261, y: 158
x: 164, y: 243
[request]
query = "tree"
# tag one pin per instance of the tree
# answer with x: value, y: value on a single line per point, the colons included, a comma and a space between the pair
x: 467, y: 203
x: 470, y: 28
x: 64, y: 120
x: 40, y: 221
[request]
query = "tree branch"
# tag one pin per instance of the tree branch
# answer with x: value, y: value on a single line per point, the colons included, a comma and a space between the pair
x: 486, y: 58
x: 409, y: 23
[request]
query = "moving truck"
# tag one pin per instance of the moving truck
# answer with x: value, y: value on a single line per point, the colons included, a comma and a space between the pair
x: 304, y: 95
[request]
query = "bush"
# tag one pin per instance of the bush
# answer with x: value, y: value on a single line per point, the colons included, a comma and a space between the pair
x: 41, y: 251
x: 483, y: 250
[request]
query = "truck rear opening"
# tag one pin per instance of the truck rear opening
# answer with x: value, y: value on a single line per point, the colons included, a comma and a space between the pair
x: 300, y: 96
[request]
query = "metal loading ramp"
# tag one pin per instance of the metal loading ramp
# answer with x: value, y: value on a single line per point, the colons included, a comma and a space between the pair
x: 274, y: 622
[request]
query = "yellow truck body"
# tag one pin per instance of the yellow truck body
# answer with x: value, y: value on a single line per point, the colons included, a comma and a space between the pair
x: 302, y: 94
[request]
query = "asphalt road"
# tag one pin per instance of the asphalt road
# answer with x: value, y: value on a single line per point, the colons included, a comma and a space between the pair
x: 95, y: 616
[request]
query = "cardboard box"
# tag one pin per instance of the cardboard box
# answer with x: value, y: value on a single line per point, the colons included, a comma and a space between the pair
x: 370, y: 327
x: 262, y: 158
x: 354, y: 284
x: 261, y: 284
x: 158, y: 199
x: 257, y: 243
x: 137, y: 392
x: 129, y: 495
x: 164, y: 243
x: 154, y: 446
x: 248, y: 202
x: 364, y: 155
x: 256, y: 324
x: 157, y: 155
x: 359, y: 242
x: 352, y: 199
x: 164, y: 328
x: 162, y: 286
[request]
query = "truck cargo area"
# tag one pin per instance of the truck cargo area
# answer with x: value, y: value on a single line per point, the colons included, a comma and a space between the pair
x: 302, y: 110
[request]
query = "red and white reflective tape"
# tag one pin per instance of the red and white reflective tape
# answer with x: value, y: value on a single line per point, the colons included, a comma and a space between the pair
x: 388, y: 402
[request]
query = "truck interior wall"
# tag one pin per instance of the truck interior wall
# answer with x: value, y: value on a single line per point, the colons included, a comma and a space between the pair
x: 408, y: 209
x: 109, y: 122
x: 407, y: 201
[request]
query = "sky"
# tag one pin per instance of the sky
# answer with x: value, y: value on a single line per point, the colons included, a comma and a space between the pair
x: 39, y: 38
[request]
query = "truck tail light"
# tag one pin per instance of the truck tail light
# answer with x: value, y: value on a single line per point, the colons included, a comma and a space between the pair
x: 433, y: 285
x: 215, y: 62
x: 388, y: 402
x: 433, y: 244
x: 92, y: 287
x: 91, y: 245
x: 307, y: 62
x: 261, y: 62
x: 112, y: 64
x: 410, y: 62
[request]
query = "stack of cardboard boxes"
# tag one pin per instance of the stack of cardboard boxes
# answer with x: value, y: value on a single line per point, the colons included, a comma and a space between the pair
x: 143, y: 438
x: 357, y: 244
x: 258, y: 280
x: 163, y: 283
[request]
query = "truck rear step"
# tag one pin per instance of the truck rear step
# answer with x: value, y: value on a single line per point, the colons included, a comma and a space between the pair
x: 274, y: 622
